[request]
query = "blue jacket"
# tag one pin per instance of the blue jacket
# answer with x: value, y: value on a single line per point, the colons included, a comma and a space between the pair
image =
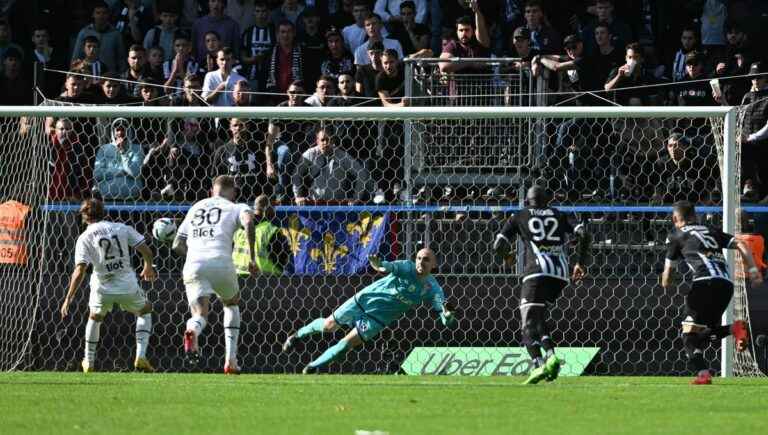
x: 118, y: 174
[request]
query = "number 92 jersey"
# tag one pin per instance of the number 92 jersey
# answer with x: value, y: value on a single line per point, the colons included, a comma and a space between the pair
x: 543, y: 230
x: 209, y: 228
x: 106, y: 245
x: 702, y: 248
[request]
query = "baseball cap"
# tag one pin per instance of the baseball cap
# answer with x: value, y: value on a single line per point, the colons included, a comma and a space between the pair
x: 760, y: 68
x: 571, y: 40
x: 694, y: 58
x: 522, y: 32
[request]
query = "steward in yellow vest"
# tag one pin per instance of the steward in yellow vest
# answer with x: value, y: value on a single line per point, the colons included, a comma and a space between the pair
x: 273, y: 252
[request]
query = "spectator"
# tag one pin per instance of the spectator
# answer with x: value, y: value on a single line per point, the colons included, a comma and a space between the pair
x: 326, y: 173
x: 5, y: 40
x: 111, y: 46
x: 15, y: 87
x: 182, y: 64
x: 242, y: 96
x: 365, y: 76
x: 412, y: 34
x: 286, y: 63
x: 343, y: 17
x: 698, y: 92
x: 117, y: 171
x: 633, y: 75
x: 212, y: 47
x: 74, y: 91
x: 607, y: 57
x: 291, y: 138
x: 337, y: 60
x: 225, y: 27
x: 373, y: 28
x: 686, y: 173
x: 249, y: 162
x: 520, y: 45
x: 112, y: 91
x: 689, y: 42
x: 136, y: 72
x: 188, y: 157
x: 65, y: 182
x: 132, y: 19
x: 354, y: 34
x: 312, y: 42
x: 347, y: 95
x: 544, y: 38
x: 472, y: 41
x: 290, y: 10
x: 390, y: 82
x: 391, y: 11
x: 154, y: 66
x: 242, y: 12
x: 164, y: 34
x: 96, y: 68
x: 738, y: 42
x: 190, y: 95
x: 754, y: 160
x: 580, y: 71
x: 324, y: 92
x: 218, y: 85
x: 257, y: 44
x: 620, y: 31
x: 47, y: 57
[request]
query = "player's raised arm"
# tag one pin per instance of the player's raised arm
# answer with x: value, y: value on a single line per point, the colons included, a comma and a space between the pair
x: 74, y: 283
x: 148, y: 271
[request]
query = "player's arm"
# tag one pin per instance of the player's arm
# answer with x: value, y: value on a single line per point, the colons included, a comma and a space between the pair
x: 249, y: 223
x: 148, y: 271
x: 583, y: 246
x: 746, y: 256
x: 673, y: 254
x: 446, y: 310
x: 180, y: 244
x: 502, y: 244
x: 74, y: 284
x: 398, y: 268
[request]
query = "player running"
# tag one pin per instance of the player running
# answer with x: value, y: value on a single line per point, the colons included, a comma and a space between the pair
x: 205, y: 237
x: 106, y: 246
x: 376, y: 306
x: 543, y: 229
x: 701, y: 247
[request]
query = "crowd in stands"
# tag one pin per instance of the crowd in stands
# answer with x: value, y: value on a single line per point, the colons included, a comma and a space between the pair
x: 350, y: 52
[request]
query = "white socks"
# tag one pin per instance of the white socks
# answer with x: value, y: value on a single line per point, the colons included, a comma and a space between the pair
x: 231, y: 331
x: 197, y: 324
x: 143, y: 331
x: 92, y: 330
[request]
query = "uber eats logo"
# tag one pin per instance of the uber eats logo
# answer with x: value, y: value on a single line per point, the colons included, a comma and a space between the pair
x: 490, y: 361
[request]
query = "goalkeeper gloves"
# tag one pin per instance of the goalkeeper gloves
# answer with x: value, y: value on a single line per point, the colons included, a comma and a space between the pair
x: 448, y: 316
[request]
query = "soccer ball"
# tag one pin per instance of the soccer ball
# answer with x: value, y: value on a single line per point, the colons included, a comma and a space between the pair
x: 164, y: 230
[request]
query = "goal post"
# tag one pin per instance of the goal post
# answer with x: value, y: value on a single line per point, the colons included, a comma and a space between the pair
x: 448, y: 179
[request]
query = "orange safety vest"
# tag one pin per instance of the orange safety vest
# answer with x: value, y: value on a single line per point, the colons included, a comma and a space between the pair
x: 756, y: 244
x: 13, y: 249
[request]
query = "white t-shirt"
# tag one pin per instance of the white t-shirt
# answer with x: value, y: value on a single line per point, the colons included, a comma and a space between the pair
x: 107, y: 246
x: 209, y: 228
x: 361, y: 54
x: 212, y: 81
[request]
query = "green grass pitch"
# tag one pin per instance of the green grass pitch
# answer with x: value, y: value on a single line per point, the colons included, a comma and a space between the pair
x: 128, y: 403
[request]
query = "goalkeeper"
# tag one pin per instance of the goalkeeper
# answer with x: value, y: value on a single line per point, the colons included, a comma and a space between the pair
x: 376, y: 306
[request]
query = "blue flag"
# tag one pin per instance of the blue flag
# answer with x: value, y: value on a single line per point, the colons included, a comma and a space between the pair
x: 334, y: 243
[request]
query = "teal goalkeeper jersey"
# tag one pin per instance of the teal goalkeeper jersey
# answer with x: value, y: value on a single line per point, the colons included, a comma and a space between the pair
x: 388, y: 298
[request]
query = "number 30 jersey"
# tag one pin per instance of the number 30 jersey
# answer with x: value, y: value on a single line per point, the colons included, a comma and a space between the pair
x: 106, y: 245
x: 701, y: 247
x: 544, y: 232
x: 209, y: 228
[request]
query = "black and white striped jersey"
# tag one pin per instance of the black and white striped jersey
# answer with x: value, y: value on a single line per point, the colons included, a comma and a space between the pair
x: 701, y: 247
x: 544, y: 232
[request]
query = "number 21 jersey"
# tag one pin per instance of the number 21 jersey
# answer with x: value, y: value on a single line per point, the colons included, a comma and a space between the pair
x: 106, y: 245
x: 543, y: 230
x: 209, y: 228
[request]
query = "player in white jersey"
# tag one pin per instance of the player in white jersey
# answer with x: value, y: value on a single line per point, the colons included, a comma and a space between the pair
x: 106, y: 246
x: 205, y: 237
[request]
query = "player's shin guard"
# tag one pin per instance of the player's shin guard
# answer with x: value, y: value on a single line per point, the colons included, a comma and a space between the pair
x: 313, y: 327
x: 532, y: 316
x: 332, y: 353
x: 92, y: 331
x: 231, y: 331
x: 143, y: 332
x: 693, y: 348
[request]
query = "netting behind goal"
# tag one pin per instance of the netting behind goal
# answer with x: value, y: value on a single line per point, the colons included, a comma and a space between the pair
x: 408, y: 179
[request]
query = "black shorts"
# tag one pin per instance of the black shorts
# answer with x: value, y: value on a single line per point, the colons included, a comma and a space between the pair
x: 707, y: 301
x: 541, y: 290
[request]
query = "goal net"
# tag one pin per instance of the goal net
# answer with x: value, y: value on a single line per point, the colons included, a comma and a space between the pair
x: 446, y: 178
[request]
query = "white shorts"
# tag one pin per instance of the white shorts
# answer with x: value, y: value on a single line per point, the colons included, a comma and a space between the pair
x: 212, y: 277
x: 101, y: 304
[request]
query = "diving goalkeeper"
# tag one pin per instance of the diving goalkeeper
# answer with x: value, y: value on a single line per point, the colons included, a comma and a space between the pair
x: 376, y: 306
